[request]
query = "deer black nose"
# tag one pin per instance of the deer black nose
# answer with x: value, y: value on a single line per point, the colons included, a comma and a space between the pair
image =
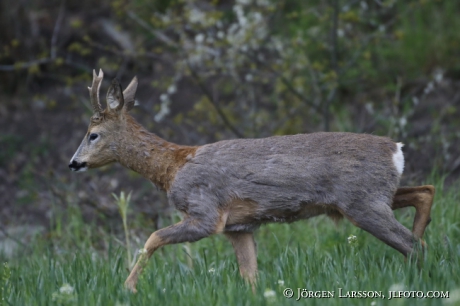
x: 75, y: 166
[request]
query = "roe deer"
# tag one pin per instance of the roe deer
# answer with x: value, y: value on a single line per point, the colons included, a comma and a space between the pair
x: 234, y: 186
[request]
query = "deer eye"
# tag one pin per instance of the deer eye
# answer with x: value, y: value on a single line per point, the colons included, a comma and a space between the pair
x: 93, y: 136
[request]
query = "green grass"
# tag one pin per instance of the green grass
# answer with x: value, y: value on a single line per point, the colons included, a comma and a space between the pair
x: 313, y: 255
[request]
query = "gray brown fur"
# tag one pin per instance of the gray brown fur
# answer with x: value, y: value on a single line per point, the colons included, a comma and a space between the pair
x: 287, y: 175
x: 234, y: 186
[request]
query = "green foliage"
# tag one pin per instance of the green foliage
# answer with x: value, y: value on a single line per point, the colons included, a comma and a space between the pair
x: 123, y: 204
x: 423, y: 39
x: 315, y: 255
x: 277, y: 63
x: 10, y: 145
x: 5, y: 285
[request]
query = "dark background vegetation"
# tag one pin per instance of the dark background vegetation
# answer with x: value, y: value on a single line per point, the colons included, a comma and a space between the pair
x: 213, y: 70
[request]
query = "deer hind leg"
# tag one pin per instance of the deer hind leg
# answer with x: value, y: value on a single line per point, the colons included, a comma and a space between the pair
x: 420, y: 197
x: 188, y: 230
x: 245, y: 250
x: 378, y: 219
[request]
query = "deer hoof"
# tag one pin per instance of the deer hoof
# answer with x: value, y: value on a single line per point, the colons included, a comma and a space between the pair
x: 131, y: 286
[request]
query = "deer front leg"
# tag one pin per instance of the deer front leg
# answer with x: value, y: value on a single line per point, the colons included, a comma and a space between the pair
x: 246, y: 255
x: 420, y: 197
x: 153, y: 243
x: 188, y: 230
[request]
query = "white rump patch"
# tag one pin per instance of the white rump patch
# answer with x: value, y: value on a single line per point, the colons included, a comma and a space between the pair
x: 398, y: 158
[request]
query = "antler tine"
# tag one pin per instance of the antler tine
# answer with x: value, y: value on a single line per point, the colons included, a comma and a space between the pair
x: 94, y: 91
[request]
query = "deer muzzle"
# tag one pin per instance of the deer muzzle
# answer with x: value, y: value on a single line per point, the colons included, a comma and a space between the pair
x: 77, y: 166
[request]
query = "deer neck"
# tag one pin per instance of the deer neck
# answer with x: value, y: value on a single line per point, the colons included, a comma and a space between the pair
x: 151, y: 156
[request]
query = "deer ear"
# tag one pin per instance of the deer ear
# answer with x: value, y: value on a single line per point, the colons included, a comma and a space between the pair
x: 129, y: 94
x: 115, y: 100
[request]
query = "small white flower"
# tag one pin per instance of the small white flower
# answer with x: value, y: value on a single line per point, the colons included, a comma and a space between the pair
x: 196, y: 16
x: 438, y: 76
x: 352, y: 239
x: 369, y: 107
x: 396, y: 287
x: 257, y: 16
x: 113, y: 183
x: 243, y: 21
x: 281, y: 282
x: 172, y: 89
x: 212, y: 270
x: 164, y: 289
x: 269, y: 293
x: 163, y: 97
x: 66, y: 289
x: 402, y: 121
x: 429, y: 88
x: 142, y: 251
x: 199, y: 38
x: 238, y: 9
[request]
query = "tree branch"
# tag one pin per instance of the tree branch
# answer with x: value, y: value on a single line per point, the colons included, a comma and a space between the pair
x: 213, y: 102
x: 27, y: 65
x: 334, y: 29
x: 46, y: 60
x: 334, y: 63
x: 57, y: 28
x: 366, y: 42
x: 165, y: 39
x: 286, y: 83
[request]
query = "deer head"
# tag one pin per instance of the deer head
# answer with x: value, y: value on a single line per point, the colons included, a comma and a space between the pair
x: 99, y: 145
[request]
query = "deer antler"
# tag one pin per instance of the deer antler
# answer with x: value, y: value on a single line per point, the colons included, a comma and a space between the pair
x: 94, y: 91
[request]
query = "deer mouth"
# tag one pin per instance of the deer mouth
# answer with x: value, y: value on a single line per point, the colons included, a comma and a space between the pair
x: 77, y: 166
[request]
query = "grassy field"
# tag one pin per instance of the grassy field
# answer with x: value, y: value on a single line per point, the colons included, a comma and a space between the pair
x: 314, y: 255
